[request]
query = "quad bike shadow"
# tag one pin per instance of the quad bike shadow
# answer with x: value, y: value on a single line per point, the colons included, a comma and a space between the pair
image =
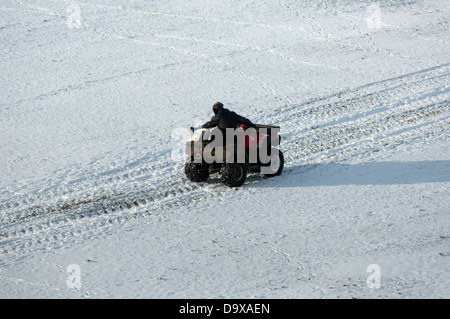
x: 243, y: 150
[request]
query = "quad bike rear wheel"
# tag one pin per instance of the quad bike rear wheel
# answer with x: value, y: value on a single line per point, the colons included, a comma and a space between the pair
x: 276, y: 165
x: 233, y: 174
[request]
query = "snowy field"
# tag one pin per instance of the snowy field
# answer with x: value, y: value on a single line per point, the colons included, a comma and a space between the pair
x: 94, y: 97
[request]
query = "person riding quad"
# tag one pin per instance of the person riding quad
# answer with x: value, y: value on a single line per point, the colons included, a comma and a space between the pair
x: 224, y: 118
x: 233, y: 152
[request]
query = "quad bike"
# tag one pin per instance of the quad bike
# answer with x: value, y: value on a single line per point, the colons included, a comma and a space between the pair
x: 251, y: 149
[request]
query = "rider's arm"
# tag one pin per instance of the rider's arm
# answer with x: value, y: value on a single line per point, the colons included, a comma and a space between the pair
x: 214, y: 122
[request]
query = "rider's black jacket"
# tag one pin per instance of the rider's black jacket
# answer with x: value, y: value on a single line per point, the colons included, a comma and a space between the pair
x: 225, y: 118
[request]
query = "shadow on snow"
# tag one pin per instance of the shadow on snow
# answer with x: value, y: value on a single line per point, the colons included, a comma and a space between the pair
x: 371, y: 173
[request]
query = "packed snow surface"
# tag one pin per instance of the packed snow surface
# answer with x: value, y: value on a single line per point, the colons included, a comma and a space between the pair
x: 95, y: 100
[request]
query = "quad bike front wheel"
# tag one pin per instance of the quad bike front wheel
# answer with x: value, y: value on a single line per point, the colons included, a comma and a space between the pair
x: 196, y: 172
x: 233, y: 174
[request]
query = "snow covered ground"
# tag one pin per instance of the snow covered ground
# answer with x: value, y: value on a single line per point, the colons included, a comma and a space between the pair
x: 94, y: 95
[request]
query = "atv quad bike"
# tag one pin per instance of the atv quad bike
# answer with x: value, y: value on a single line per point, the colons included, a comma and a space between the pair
x: 249, y: 149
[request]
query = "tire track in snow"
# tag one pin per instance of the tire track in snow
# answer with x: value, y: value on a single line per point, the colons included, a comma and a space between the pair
x: 41, y: 225
x: 180, y: 16
x: 356, y: 23
x: 366, y: 113
x: 331, y: 139
x: 228, y: 66
x: 266, y: 87
x: 370, y: 97
x: 363, y: 100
